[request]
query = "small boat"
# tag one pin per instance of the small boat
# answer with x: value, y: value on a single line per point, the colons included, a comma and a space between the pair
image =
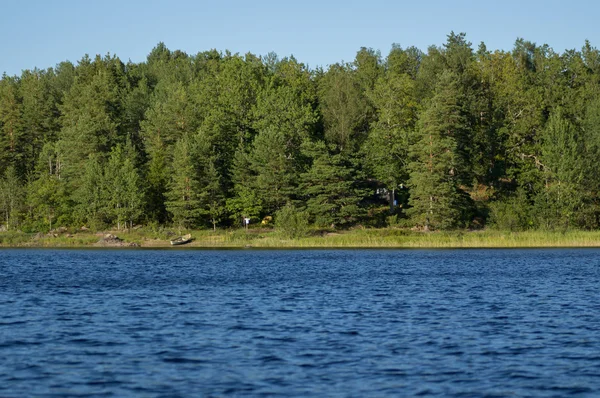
x: 182, y: 240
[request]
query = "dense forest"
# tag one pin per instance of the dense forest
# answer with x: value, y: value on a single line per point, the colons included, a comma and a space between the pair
x: 455, y: 137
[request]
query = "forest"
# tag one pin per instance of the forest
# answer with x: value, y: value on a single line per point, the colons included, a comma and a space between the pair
x: 456, y: 137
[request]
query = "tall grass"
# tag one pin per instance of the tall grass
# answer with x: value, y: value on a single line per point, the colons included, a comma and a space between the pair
x: 458, y: 239
x: 356, y: 238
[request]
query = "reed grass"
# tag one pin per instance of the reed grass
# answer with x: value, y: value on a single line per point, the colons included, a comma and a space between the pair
x: 355, y: 238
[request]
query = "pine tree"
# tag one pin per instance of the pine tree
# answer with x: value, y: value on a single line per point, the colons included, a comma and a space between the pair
x: 184, y: 197
x: 12, y: 198
x: 214, y: 197
x: 212, y: 206
x: 170, y: 117
x: 436, y: 200
x: 288, y: 102
x: 40, y: 111
x: 332, y: 188
x: 274, y: 160
x: 245, y: 202
x: 157, y: 178
x: 123, y: 186
x: 92, y: 207
x: 89, y: 120
x: 11, y: 129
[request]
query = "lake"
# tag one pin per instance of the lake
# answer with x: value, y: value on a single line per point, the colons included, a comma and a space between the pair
x: 168, y: 323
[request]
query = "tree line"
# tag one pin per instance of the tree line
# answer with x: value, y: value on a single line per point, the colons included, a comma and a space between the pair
x: 454, y: 137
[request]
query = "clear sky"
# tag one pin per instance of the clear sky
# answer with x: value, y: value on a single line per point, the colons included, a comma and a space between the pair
x: 42, y: 33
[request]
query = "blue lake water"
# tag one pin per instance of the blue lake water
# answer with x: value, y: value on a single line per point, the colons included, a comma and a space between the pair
x: 168, y: 323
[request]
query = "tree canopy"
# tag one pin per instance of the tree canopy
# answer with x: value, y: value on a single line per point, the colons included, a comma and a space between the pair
x: 450, y: 137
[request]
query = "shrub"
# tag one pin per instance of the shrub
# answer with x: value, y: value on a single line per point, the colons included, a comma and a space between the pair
x: 512, y: 214
x: 291, y: 223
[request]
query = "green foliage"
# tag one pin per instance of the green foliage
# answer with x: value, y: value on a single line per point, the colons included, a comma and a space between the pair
x: 215, y: 198
x: 91, y: 196
x: 47, y: 202
x: 89, y: 117
x: 246, y: 202
x: 124, y: 193
x: 12, y: 198
x: 11, y: 124
x: 386, y: 148
x: 274, y: 161
x: 332, y: 188
x: 157, y: 177
x: 344, y: 108
x: 184, y: 197
x: 207, y: 139
x: 437, y: 201
x: 511, y: 214
x: 561, y: 198
x: 291, y: 223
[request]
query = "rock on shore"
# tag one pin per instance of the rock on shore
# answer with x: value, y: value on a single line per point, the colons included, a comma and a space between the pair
x: 110, y: 240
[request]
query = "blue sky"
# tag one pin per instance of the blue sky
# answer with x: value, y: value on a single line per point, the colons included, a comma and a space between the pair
x: 42, y: 33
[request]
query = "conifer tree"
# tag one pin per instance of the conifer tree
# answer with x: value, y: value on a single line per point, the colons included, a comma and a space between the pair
x: 12, y: 198
x: 91, y: 195
x: 184, y: 196
x: 89, y: 123
x: 214, y: 194
x: 11, y: 128
x: 274, y: 160
x: 48, y: 201
x: 386, y: 148
x: 157, y: 178
x: 245, y: 202
x: 332, y: 188
x: 39, y: 117
x: 124, y: 192
x: 436, y: 200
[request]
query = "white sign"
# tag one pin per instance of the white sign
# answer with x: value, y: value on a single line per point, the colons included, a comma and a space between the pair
x: 246, y: 221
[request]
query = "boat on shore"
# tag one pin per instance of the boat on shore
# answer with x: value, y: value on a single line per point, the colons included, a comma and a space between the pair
x: 181, y: 240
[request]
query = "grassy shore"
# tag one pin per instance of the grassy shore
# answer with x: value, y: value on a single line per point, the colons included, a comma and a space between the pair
x: 356, y: 238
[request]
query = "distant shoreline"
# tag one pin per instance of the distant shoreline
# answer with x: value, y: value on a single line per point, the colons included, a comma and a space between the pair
x: 267, y: 238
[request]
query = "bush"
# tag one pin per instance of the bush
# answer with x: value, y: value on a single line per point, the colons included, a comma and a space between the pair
x: 512, y: 214
x: 291, y: 223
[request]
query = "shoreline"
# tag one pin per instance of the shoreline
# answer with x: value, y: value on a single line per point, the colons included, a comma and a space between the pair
x: 270, y: 239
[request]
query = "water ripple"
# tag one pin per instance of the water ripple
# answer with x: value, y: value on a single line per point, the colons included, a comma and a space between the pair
x: 447, y: 323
